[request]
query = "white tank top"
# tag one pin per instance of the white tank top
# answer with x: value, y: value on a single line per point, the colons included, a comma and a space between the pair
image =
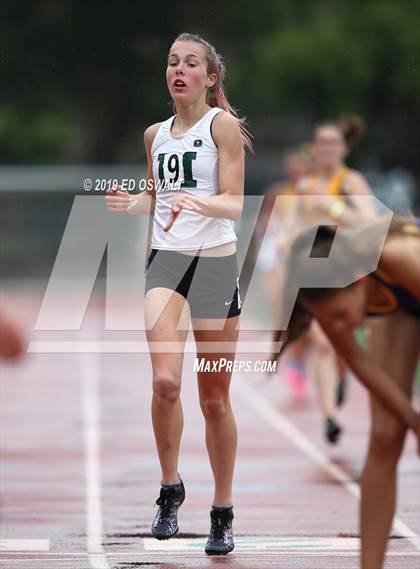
x: 188, y: 164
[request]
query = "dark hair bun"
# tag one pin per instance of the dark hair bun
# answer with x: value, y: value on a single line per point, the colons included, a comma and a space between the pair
x: 353, y: 128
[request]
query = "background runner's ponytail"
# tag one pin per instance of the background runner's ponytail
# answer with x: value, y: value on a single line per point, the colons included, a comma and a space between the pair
x: 353, y: 128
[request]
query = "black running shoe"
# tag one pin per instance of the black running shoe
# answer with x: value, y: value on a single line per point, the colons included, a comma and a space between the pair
x: 220, y: 541
x: 332, y: 430
x: 165, y: 524
x: 341, y: 394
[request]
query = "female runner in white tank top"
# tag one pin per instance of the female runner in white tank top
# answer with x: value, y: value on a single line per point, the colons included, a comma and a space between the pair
x: 196, y: 162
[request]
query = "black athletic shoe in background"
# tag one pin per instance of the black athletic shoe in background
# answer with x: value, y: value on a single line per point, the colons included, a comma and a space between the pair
x: 342, y: 388
x: 332, y: 430
x: 220, y: 541
x: 165, y: 524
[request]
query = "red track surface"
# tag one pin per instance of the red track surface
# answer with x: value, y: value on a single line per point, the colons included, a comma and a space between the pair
x: 80, y: 469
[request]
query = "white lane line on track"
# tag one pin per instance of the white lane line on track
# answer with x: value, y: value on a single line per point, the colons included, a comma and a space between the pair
x: 306, y: 545
x: 192, y: 553
x: 90, y: 407
x: 265, y: 410
x: 135, y: 347
x: 24, y: 545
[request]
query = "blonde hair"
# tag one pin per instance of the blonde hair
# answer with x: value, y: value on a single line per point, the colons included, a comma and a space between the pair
x: 215, y: 96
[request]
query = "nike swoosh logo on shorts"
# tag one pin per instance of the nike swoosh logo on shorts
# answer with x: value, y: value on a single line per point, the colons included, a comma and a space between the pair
x: 227, y: 303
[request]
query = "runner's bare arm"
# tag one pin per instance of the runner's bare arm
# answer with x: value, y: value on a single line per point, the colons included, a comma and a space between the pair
x: 373, y: 377
x: 227, y: 137
x: 360, y: 196
x: 401, y: 260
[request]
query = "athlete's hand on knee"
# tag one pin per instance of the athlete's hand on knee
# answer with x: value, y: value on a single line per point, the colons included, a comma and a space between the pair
x: 183, y: 201
x: 117, y: 200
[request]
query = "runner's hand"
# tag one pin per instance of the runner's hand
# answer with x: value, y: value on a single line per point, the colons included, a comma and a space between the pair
x: 117, y: 200
x: 183, y: 201
x: 12, y: 343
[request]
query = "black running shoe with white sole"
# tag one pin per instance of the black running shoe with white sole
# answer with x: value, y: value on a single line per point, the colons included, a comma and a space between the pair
x: 165, y: 524
x: 220, y: 541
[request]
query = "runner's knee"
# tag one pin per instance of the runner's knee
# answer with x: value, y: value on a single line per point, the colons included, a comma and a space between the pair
x: 386, y: 441
x: 166, y: 388
x: 214, y: 408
